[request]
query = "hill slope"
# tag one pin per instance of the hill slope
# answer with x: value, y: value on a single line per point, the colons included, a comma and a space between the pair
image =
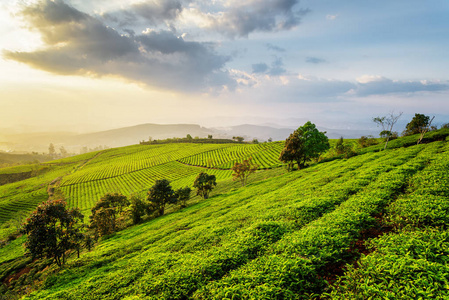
x: 284, y: 237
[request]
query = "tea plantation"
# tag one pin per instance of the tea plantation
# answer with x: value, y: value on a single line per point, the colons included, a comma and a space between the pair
x: 373, y: 226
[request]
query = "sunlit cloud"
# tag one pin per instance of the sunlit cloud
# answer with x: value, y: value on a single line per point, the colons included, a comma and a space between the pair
x: 79, y: 44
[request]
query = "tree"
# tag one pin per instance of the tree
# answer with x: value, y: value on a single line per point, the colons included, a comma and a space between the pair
x: 63, y: 151
x: 424, y: 129
x: 415, y: 126
x: 183, y: 194
x: 387, y: 123
x: 53, y: 230
x: 189, y: 137
x: 343, y: 149
x: 138, y: 207
x: 366, y: 141
x: 51, y: 149
x: 209, y: 136
x: 255, y: 141
x: 243, y: 170
x: 304, y: 144
x: 204, y: 183
x: 238, y: 139
x: 106, y: 211
x: 160, y: 194
x: 270, y: 140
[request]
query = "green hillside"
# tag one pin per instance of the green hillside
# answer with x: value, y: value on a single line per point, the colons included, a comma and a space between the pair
x: 83, y: 179
x: 374, y: 225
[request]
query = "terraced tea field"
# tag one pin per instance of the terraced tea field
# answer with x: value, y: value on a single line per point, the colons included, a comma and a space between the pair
x: 85, y: 178
x: 288, y: 236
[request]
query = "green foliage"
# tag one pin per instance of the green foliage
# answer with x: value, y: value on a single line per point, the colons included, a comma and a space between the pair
x: 243, y: 170
x: 138, y: 208
x: 366, y: 141
x: 265, y: 155
x: 343, y: 149
x: 106, y: 212
x: 304, y: 144
x: 159, y: 195
x: 239, y: 139
x: 52, y: 230
x: 415, y: 126
x: 183, y: 194
x: 409, y: 265
x: 275, y: 239
x: 204, y: 183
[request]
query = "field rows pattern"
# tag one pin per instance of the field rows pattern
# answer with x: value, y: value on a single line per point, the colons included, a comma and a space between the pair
x: 266, y: 155
x: 269, y: 240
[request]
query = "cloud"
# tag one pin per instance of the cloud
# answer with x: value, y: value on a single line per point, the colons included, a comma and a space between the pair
x: 245, y: 17
x: 276, y: 69
x: 315, y: 60
x: 309, y: 89
x: 153, y: 13
x: 80, y: 44
x: 377, y: 85
x: 260, y: 68
x: 275, y: 48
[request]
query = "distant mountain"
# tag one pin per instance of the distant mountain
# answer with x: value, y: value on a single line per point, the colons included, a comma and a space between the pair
x: 73, y: 143
x: 135, y: 134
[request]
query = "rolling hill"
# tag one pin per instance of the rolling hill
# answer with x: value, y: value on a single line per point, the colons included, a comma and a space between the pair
x: 131, y: 135
x: 374, y: 225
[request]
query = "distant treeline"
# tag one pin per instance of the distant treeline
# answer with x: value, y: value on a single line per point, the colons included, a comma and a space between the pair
x: 193, y: 140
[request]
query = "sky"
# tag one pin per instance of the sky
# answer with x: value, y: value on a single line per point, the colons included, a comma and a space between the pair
x: 83, y: 65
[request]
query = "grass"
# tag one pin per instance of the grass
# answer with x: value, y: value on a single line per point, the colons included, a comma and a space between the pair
x: 285, y: 235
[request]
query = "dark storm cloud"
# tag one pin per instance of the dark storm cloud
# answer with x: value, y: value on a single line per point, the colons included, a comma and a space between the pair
x: 258, y: 15
x: 315, y: 60
x: 382, y: 86
x: 77, y: 43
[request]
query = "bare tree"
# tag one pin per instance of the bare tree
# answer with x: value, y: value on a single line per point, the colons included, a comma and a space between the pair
x: 387, y: 122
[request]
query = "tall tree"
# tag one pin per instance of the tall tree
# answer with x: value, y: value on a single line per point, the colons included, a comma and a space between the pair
x: 387, y: 123
x: 52, y: 230
x: 204, y: 183
x: 304, y: 144
x: 161, y: 194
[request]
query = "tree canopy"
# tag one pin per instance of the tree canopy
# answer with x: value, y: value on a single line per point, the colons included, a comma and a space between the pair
x: 52, y: 230
x: 106, y: 211
x: 183, y: 194
x: 304, y: 144
x: 160, y: 194
x: 204, y: 183
x: 416, y: 125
